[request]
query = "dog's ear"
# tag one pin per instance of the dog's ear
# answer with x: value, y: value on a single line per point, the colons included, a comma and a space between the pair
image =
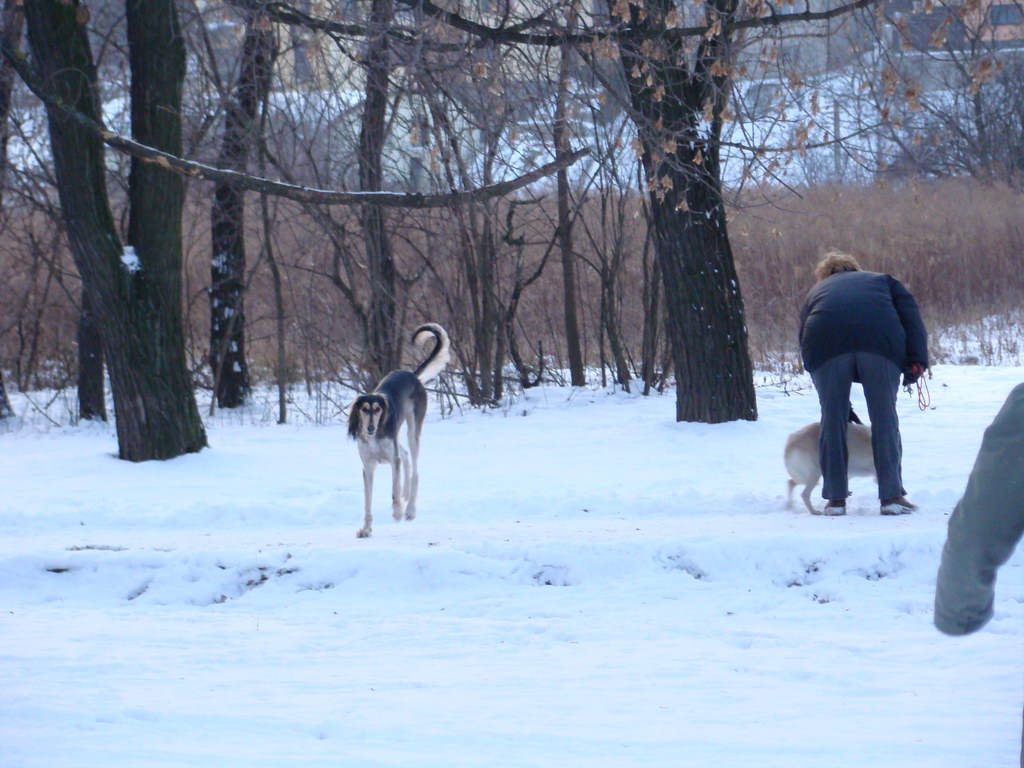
x: 353, y: 418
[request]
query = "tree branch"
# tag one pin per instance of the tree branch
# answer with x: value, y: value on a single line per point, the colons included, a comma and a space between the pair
x: 283, y: 13
x: 561, y: 36
x: 521, y: 34
x: 245, y: 181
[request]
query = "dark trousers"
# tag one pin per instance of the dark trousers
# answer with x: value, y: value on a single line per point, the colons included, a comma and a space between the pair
x: 880, y: 378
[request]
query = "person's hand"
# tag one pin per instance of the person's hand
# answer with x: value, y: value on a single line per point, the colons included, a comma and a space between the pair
x: 912, y: 374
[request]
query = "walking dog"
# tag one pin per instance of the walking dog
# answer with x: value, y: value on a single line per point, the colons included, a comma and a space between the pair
x: 803, y: 464
x: 375, y: 419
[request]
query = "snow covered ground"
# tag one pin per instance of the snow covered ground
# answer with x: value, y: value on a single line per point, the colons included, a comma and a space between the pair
x: 588, y: 583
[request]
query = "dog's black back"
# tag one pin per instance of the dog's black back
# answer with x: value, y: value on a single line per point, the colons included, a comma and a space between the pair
x: 399, y: 387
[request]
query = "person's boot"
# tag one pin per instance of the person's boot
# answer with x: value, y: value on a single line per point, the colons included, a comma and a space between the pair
x: 834, y: 508
x: 897, y: 506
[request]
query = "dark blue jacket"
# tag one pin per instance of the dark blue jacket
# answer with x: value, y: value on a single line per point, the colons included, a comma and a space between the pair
x: 862, y: 312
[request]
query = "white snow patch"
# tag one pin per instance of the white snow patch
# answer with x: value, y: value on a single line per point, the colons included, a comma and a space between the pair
x: 587, y: 583
x: 130, y: 260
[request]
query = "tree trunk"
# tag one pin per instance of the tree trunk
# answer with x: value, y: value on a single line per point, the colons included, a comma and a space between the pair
x: 705, y: 320
x: 500, y: 355
x: 485, y: 256
x: 5, y: 404
x: 679, y: 121
x: 610, y: 323
x: 649, y: 345
x: 136, y: 294
x: 91, y: 399
x: 227, y: 218
x: 527, y: 376
x: 275, y: 273
x: 561, y: 136
x: 12, y: 23
x: 383, y: 339
x: 92, y: 402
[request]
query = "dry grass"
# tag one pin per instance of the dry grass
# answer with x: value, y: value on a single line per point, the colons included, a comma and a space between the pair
x: 958, y: 245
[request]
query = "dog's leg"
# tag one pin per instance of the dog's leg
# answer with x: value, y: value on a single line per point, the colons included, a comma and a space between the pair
x: 368, y: 468
x: 397, y: 502
x: 789, y: 494
x: 805, y: 494
x: 401, y: 511
x: 414, y: 452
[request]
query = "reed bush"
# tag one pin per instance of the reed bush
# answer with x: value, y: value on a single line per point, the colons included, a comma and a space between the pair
x: 958, y: 245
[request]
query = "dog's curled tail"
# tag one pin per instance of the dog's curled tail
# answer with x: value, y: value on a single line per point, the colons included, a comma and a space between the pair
x: 439, y: 356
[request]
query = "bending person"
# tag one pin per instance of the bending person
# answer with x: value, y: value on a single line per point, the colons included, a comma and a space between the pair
x: 865, y: 327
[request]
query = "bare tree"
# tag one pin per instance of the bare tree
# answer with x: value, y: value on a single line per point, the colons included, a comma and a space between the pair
x: 676, y: 81
x: 475, y: 244
x: 278, y: 283
x: 678, y: 95
x: 12, y: 20
x: 950, y: 88
x: 611, y: 232
x: 228, y: 359
x: 565, y: 222
x: 452, y: 105
x: 135, y: 290
x: 383, y: 303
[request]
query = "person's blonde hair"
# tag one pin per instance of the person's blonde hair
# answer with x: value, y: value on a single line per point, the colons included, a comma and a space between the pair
x: 835, y: 261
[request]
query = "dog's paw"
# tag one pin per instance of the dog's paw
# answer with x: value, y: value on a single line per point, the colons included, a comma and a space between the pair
x: 410, y: 512
x: 363, y: 533
x: 398, y: 510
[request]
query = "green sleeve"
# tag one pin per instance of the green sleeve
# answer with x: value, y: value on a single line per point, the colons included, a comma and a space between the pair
x: 985, y: 526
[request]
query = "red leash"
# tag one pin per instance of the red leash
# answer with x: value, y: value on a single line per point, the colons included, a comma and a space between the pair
x: 924, y: 397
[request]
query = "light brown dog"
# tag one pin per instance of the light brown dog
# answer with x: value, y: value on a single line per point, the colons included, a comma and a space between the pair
x: 801, y: 458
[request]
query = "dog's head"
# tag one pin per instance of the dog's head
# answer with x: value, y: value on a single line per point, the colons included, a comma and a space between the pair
x: 367, y: 415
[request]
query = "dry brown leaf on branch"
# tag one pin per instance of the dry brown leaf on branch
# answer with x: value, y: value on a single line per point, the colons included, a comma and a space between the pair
x: 890, y: 79
x: 938, y: 37
x: 912, y: 94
